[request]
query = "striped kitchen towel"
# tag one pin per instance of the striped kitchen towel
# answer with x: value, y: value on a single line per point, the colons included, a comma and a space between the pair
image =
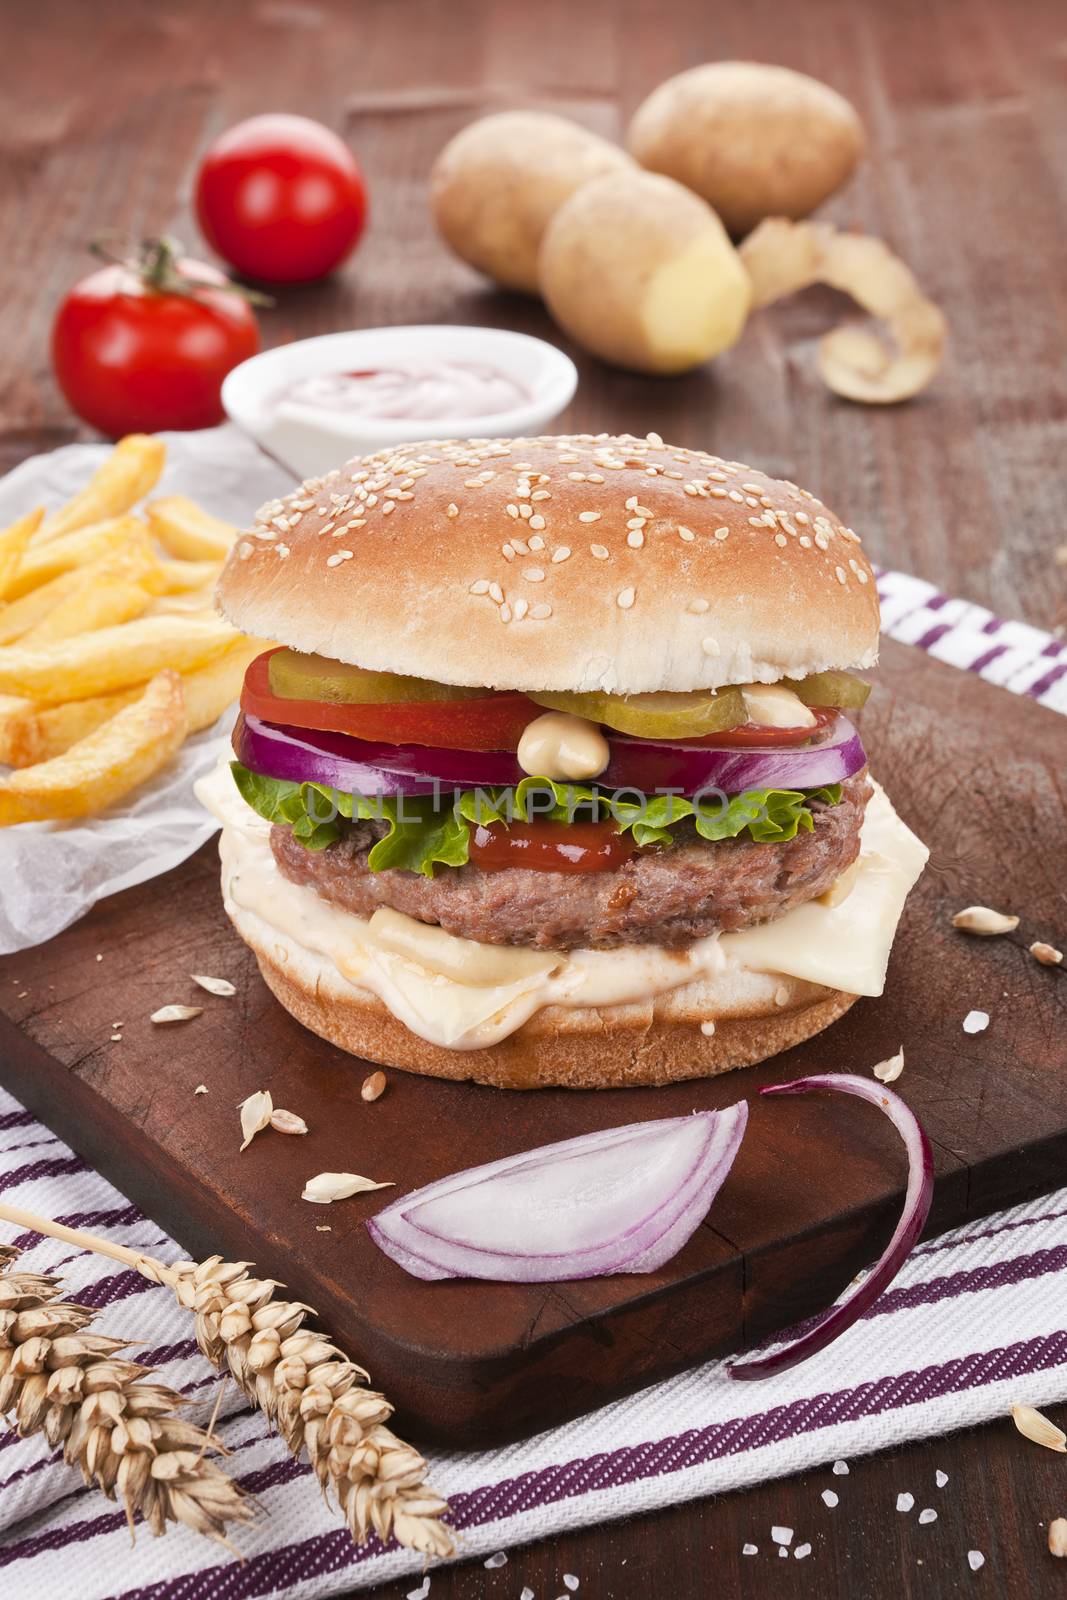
x: 968, y: 1327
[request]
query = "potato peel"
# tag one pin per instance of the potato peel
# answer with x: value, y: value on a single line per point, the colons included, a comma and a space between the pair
x: 783, y: 257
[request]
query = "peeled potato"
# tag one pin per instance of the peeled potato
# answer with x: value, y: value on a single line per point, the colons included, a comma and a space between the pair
x: 641, y: 272
x: 495, y: 186
x: 755, y: 141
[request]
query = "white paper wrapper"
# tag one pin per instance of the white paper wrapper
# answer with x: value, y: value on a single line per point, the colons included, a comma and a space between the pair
x: 51, y: 873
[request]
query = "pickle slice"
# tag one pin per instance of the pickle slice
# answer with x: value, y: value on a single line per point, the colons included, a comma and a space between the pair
x: 661, y: 715
x: 295, y: 676
x: 841, y: 689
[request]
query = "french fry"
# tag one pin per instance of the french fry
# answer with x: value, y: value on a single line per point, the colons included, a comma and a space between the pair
x: 193, y: 603
x: 31, y: 732
x: 135, y: 564
x: 41, y: 563
x: 180, y: 576
x: 13, y: 542
x: 99, y: 769
x: 209, y: 690
x: 130, y: 471
x: 185, y: 530
x: 100, y: 605
x: 112, y: 658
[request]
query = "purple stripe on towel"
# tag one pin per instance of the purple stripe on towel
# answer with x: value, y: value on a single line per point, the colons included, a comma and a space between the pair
x: 1043, y: 685
x: 42, y: 1169
x: 932, y: 635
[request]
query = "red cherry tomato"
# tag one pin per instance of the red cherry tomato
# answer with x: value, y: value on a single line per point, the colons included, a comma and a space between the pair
x: 281, y: 198
x: 494, y: 722
x: 143, y: 345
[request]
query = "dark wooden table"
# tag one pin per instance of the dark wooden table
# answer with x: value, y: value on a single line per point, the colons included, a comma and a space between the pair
x: 106, y: 109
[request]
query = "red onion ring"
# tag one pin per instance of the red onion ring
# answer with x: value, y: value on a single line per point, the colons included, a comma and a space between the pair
x: 622, y: 1200
x: 358, y: 766
x: 832, y: 1323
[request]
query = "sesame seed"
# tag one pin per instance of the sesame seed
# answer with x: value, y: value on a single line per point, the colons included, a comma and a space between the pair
x: 537, y: 522
x: 521, y: 546
x: 691, y: 489
x: 718, y: 494
x: 632, y: 503
x: 589, y: 516
x: 822, y: 541
x: 752, y: 488
x: 534, y: 574
x: 802, y: 516
x: 507, y: 552
x: 541, y: 611
x: 327, y: 527
x: 521, y: 608
x: 511, y: 509
x: 541, y: 494
x: 722, y: 533
x: 479, y: 586
x: 334, y: 560
x: 576, y: 477
x: 624, y: 599
x: 599, y: 551
x: 780, y: 539
x: 504, y: 613
x: 283, y: 550
x: 735, y: 495
x: 561, y: 553
x: 496, y: 593
x: 687, y: 534
x: 840, y: 575
x: 709, y: 645
x: 861, y: 575
x: 472, y: 483
x: 636, y: 522
x: 805, y: 542
x: 452, y: 510
x: 388, y: 506
x: 635, y: 539
x: 537, y: 543
x: 697, y: 607
x: 755, y: 522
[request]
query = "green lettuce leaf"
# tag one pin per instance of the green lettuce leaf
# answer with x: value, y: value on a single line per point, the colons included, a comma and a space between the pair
x: 422, y: 834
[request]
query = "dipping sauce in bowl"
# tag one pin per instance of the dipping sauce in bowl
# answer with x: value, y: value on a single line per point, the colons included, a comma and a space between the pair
x: 453, y: 389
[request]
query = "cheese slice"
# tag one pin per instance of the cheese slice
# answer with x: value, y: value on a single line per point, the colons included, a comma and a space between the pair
x: 845, y: 946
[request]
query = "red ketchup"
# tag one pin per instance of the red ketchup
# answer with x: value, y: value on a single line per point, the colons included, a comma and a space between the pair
x: 550, y: 846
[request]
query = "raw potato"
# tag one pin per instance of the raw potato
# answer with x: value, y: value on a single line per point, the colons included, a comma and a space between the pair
x: 755, y: 141
x: 496, y: 185
x: 641, y: 272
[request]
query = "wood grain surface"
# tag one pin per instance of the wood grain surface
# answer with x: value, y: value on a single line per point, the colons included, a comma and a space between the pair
x: 107, y: 107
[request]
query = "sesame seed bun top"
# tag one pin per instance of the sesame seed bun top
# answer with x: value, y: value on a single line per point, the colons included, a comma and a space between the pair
x: 566, y: 562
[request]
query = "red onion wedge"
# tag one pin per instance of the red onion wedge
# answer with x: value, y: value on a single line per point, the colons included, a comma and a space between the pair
x: 920, y: 1190
x: 360, y: 766
x: 623, y: 1200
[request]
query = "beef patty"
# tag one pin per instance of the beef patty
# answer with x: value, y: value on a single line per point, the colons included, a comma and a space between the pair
x: 658, y: 896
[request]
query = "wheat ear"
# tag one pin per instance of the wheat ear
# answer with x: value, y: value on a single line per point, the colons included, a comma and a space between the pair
x: 302, y: 1382
x: 122, y: 1432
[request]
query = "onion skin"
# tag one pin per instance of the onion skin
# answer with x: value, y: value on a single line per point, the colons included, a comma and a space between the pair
x: 920, y: 1190
x: 358, y: 766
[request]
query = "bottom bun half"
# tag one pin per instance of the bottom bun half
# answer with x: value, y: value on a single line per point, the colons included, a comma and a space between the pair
x: 576, y: 1048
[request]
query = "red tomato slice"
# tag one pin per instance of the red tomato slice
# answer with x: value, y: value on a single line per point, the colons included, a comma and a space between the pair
x: 493, y: 723
x: 752, y: 734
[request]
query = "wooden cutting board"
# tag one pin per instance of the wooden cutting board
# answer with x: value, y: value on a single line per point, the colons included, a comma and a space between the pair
x: 978, y: 773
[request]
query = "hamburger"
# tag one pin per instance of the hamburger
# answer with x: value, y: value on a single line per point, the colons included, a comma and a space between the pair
x: 552, y: 777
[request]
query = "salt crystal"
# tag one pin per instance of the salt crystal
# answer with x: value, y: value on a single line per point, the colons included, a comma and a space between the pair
x: 499, y: 1560
x: 750, y: 1549
x: 801, y: 1551
x: 927, y: 1516
x: 829, y: 1498
x: 976, y: 1022
x: 840, y: 1469
x: 940, y: 1478
x: 422, y: 1591
x: 570, y: 1581
x: 905, y: 1502
x: 782, y: 1551
x: 975, y: 1560
x: 782, y: 1535
x: 528, y: 1594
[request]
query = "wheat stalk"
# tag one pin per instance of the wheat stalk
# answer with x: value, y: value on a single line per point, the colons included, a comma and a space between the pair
x: 303, y: 1384
x: 121, y: 1432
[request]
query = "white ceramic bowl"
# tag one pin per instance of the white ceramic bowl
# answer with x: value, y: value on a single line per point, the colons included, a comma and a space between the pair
x: 310, y: 446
